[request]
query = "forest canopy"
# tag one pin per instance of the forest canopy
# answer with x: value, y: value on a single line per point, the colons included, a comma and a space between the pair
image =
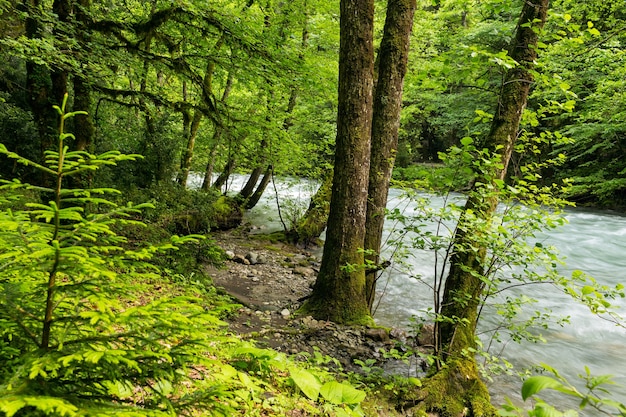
x: 197, y: 86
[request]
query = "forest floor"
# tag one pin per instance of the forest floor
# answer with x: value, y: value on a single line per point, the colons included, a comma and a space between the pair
x: 271, y: 280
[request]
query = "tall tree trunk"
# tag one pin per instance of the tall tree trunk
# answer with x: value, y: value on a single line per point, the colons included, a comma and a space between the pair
x: 207, y: 98
x: 339, y: 292
x: 217, y: 137
x: 458, y: 381
x: 208, y: 172
x: 466, y: 267
x: 63, y: 10
x: 84, y: 129
x: 392, y: 65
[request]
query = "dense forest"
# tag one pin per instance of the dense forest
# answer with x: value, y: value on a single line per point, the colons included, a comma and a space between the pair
x: 123, y: 123
x: 241, y: 86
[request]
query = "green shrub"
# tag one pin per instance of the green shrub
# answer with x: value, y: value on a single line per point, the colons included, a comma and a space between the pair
x: 73, y: 339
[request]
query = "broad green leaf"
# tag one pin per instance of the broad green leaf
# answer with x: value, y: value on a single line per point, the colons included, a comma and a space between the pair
x: 535, y: 384
x: 467, y: 141
x: 307, y: 382
x: 339, y: 393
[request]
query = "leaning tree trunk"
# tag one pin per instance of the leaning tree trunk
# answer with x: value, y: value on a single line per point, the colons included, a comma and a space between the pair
x: 339, y: 292
x: 464, y: 286
x: 225, y: 174
x: 258, y: 193
x: 313, y: 222
x: 392, y: 59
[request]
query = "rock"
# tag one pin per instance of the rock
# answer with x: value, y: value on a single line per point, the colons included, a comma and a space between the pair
x: 252, y: 257
x: 426, y: 336
x: 304, y: 271
x: 229, y: 254
x: 399, y: 334
x: 377, y: 334
x: 241, y: 260
x: 285, y: 313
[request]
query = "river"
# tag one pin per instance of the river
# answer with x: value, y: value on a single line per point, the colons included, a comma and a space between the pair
x: 591, y: 241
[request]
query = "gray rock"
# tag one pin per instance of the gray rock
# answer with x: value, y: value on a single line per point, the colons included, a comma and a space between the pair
x: 304, y: 271
x: 252, y: 257
x: 229, y: 254
x: 285, y: 313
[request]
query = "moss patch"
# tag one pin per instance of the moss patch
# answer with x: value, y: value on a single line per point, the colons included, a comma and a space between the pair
x: 455, y: 391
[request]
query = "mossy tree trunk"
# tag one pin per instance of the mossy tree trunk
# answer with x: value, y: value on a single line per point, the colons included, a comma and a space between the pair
x: 191, y: 129
x: 466, y: 279
x: 217, y: 138
x: 339, y: 292
x: 392, y: 64
x: 466, y: 270
x: 314, y: 221
x: 39, y: 85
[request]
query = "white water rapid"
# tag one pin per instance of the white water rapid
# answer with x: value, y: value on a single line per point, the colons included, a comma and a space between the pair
x: 592, y: 241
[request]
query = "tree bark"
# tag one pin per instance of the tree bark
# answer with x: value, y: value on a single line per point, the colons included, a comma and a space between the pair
x: 466, y: 264
x: 312, y: 224
x: 258, y: 193
x: 456, y: 387
x: 339, y: 292
x: 192, y: 133
x: 39, y: 87
x: 223, y: 177
x: 217, y: 137
x: 392, y: 65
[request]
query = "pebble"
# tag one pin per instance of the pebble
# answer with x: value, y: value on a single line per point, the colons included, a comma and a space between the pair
x: 285, y: 313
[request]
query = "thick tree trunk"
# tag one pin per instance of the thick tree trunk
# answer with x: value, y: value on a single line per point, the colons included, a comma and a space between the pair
x: 255, y: 175
x: 339, y: 292
x: 84, y: 129
x: 312, y: 224
x: 63, y: 10
x: 250, y: 185
x: 392, y: 64
x: 39, y: 87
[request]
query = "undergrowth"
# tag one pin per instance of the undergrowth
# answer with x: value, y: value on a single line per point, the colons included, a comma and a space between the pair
x: 95, y: 320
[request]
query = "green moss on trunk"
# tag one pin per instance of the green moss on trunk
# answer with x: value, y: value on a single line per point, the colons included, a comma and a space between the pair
x: 455, y: 391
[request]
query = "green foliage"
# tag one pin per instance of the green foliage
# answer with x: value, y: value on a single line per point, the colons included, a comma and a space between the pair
x: 515, y: 257
x: 73, y: 340
x: 316, y: 384
x: 596, y: 395
x: 176, y: 209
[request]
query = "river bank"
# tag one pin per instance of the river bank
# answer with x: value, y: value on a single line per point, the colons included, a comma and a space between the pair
x: 271, y: 280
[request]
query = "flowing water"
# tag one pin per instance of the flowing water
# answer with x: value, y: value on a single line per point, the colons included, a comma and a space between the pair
x: 591, y: 241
